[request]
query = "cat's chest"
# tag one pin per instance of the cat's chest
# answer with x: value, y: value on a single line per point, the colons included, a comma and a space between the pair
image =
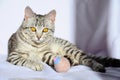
x: 34, y: 53
x: 31, y: 49
x: 54, y: 48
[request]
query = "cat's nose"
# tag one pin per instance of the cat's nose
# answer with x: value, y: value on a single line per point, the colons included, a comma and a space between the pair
x: 38, y: 37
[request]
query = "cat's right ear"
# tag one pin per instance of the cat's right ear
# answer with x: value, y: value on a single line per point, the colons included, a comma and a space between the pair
x: 28, y: 13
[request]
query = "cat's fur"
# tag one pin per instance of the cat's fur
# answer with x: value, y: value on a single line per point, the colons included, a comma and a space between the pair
x: 29, y: 47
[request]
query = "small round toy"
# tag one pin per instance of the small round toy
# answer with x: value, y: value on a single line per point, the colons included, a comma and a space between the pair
x: 61, y: 64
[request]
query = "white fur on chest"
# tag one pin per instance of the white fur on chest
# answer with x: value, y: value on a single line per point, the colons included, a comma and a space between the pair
x: 33, y: 52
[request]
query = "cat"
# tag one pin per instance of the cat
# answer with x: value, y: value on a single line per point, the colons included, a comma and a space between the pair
x: 34, y: 43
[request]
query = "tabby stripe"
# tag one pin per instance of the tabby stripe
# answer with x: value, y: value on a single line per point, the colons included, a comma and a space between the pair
x: 56, y: 40
x: 76, y: 54
x: 17, y: 61
x: 51, y: 60
x: 84, y: 57
x: 21, y: 36
x: 51, y: 30
x: 24, y: 39
x: 72, y: 51
x: 45, y: 56
x: 82, y: 54
x: 62, y: 41
x: 67, y: 45
x: 12, y: 57
x: 13, y: 53
x: 48, y: 60
x: 36, y: 22
x: 24, y: 60
x: 68, y: 50
x: 26, y: 63
x: 65, y: 42
x: 46, y: 53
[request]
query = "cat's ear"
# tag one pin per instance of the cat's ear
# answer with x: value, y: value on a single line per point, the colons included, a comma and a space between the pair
x: 28, y: 13
x: 51, y: 15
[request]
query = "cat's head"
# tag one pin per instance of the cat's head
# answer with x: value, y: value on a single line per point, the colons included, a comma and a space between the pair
x: 36, y: 27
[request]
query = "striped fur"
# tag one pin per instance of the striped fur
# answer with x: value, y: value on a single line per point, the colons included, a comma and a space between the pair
x: 30, y: 49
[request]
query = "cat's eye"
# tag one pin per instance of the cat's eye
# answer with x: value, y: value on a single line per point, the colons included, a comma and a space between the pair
x: 45, y: 30
x: 33, y: 29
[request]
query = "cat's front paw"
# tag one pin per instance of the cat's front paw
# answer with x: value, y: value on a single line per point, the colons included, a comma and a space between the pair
x: 35, y: 66
x: 99, y: 68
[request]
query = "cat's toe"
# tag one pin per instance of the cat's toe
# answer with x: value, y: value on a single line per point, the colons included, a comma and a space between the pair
x: 39, y: 67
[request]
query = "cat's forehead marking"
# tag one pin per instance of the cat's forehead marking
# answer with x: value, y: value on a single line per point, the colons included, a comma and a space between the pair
x: 40, y: 20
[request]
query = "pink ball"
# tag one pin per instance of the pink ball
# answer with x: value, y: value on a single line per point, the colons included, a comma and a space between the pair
x: 61, y: 64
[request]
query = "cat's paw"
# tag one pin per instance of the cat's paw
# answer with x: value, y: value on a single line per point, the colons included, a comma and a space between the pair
x: 36, y: 67
x: 99, y: 68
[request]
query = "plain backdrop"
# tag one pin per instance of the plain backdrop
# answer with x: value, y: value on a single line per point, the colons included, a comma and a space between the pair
x: 12, y: 14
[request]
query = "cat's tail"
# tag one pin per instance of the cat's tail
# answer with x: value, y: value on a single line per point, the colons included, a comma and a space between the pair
x: 107, y: 61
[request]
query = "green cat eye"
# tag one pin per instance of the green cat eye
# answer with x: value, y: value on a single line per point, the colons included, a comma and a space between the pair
x: 33, y: 29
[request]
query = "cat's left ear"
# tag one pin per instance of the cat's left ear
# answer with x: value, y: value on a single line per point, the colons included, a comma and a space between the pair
x: 28, y: 13
x: 51, y: 15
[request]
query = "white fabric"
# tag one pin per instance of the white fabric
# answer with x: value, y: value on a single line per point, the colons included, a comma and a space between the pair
x: 12, y: 72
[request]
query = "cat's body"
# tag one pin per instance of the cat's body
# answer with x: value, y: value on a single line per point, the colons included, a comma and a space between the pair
x: 34, y: 43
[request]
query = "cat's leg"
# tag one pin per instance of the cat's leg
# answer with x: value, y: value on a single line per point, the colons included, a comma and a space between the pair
x: 72, y: 60
x: 85, y: 60
x: 48, y: 58
x: 79, y: 57
x: 21, y: 59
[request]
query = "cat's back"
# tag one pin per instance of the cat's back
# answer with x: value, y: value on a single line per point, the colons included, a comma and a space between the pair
x: 12, y: 42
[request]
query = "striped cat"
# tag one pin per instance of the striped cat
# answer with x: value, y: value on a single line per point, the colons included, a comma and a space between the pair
x: 34, y: 43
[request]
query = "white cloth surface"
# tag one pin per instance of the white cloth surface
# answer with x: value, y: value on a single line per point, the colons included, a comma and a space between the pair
x: 12, y: 72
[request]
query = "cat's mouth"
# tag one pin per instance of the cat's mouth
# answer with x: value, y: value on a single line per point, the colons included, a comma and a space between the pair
x: 37, y: 41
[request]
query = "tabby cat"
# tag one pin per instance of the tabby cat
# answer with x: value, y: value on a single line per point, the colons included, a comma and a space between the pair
x: 34, y: 43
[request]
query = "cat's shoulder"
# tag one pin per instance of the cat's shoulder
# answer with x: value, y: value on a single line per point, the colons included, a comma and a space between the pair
x: 13, y: 37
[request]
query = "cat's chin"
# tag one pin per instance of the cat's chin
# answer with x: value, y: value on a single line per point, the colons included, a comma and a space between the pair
x: 38, y: 42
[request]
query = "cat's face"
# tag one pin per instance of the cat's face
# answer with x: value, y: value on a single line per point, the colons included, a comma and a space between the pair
x: 38, y: 28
